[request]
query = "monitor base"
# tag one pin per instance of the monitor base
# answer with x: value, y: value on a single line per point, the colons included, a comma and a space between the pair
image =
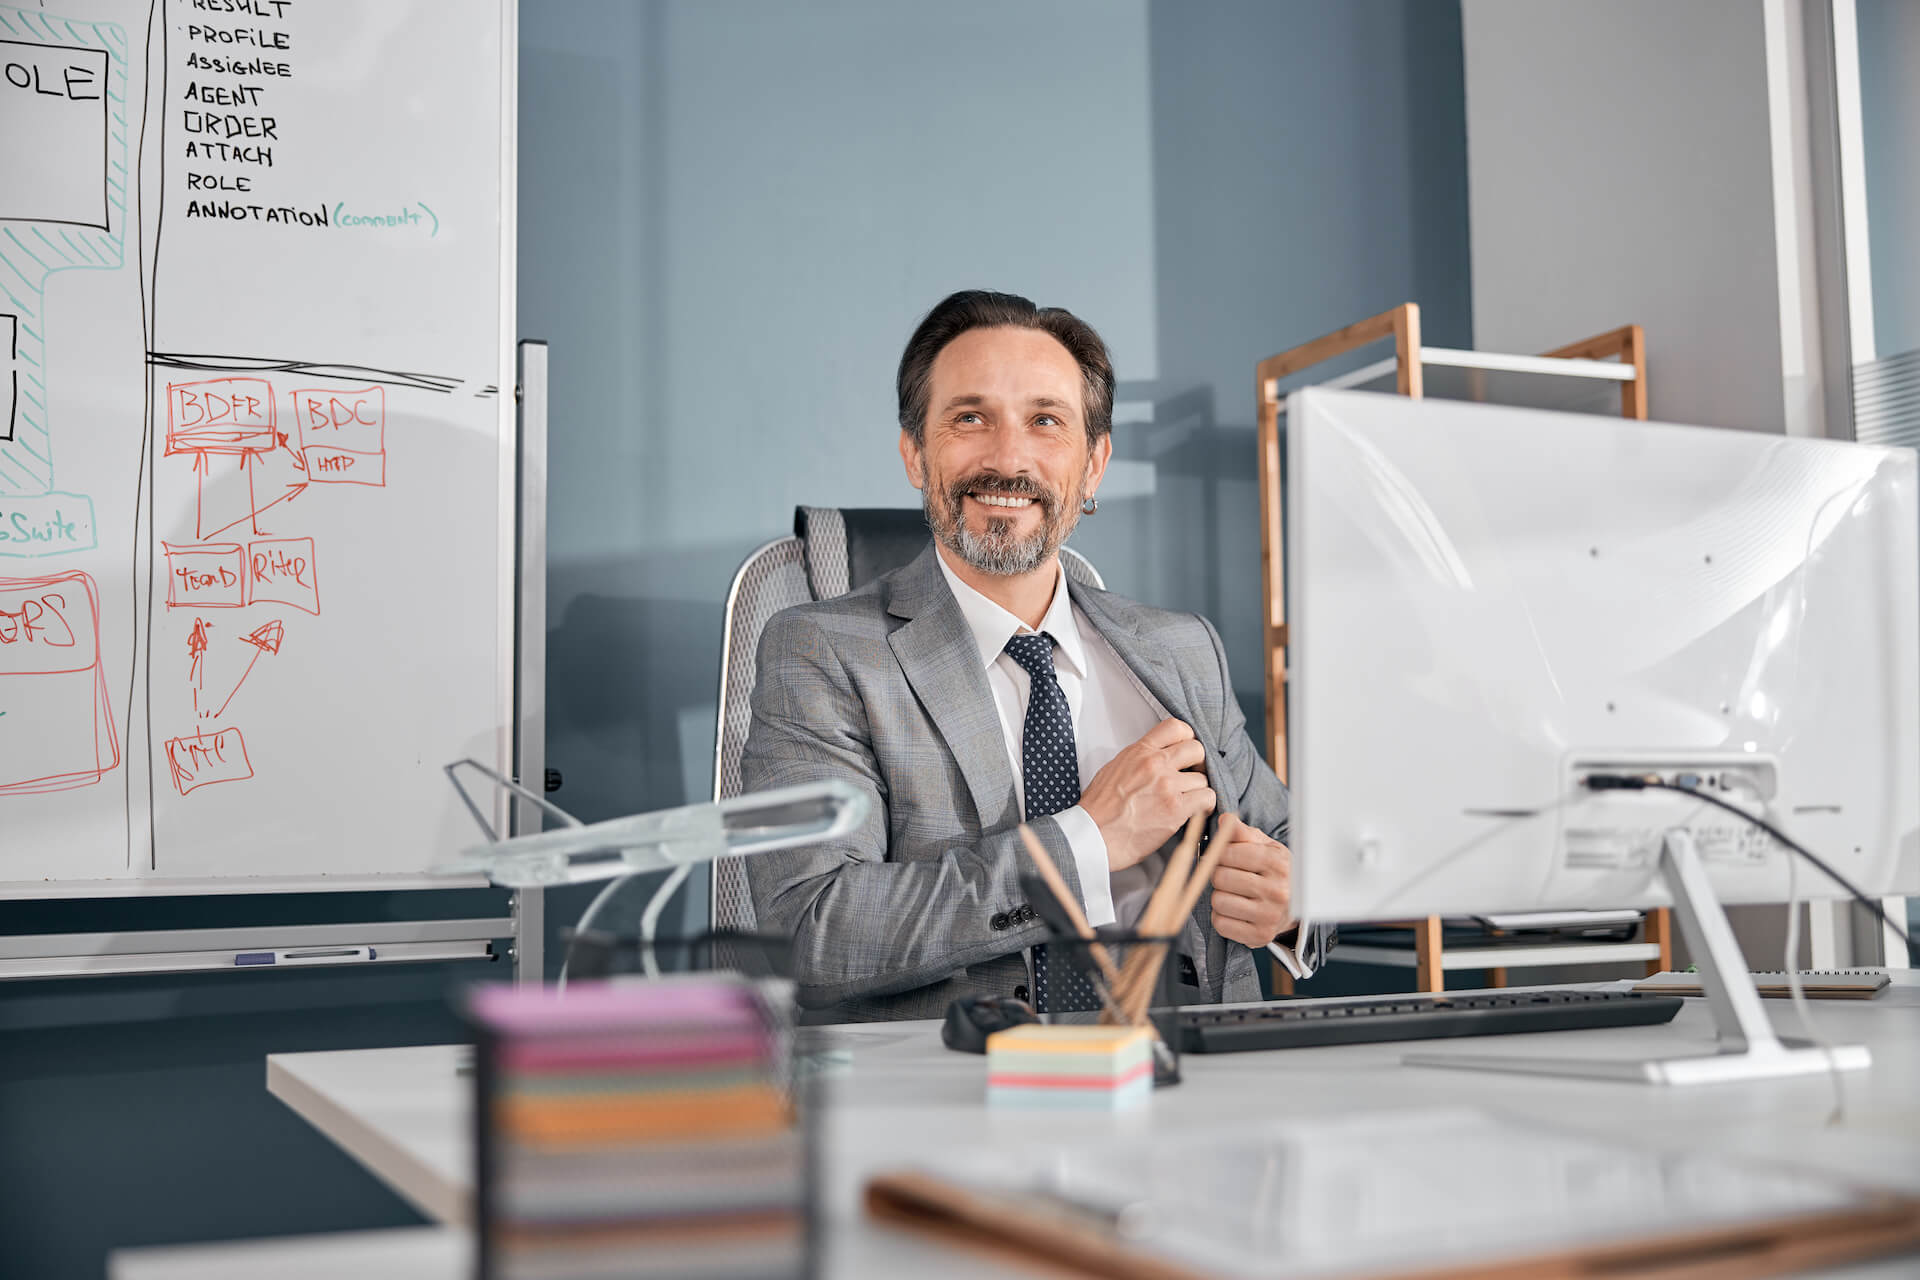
x: 1749, y: 1047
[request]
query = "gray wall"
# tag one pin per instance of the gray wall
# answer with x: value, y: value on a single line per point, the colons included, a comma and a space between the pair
x: 748, y: 208
x: 1309, y: 170
x: 1890, y: 125
x: 732, y: 216
x: 1620, y: 172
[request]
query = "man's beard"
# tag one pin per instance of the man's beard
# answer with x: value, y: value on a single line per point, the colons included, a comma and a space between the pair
x: 999, y: 550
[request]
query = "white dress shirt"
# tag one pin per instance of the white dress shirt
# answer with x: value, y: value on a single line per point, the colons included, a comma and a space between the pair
x: 1110, y: 710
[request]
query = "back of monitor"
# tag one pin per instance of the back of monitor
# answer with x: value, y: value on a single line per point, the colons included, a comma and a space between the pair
x: 1487, y: 603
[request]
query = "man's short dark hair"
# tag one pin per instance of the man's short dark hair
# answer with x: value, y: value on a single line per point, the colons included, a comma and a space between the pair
x: 984, y: 309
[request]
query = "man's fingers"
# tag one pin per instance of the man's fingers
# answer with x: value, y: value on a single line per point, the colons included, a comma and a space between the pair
x: 1186, y: 754
x: 1188, y: 793
x: 1187, y: 781
x: 1262, y: 858
x: 1236, y: 907
x: 1166, y: 733
x: 1246, y: 884
x: 1242, y: 932
x: 1256, y: 836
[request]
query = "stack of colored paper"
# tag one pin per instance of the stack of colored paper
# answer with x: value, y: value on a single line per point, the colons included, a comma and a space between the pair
x: 1097, y: 1068
x: 637, y: 1129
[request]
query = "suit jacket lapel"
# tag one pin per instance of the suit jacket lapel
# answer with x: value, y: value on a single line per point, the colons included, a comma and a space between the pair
x: 1146, y: 659
x: 936, y: 653
x: 1150, y: 663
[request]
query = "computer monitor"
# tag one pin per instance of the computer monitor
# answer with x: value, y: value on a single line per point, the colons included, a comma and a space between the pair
x: 1487, y: 605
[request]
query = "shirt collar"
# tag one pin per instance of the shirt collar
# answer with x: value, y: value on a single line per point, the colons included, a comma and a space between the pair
x: 992, y: 626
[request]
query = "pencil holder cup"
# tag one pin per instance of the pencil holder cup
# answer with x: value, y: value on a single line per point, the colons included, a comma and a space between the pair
x: 1118, y: 977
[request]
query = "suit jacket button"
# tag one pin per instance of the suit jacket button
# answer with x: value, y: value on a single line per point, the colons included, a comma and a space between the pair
x: 1020, y: 992
x: 999, y: 920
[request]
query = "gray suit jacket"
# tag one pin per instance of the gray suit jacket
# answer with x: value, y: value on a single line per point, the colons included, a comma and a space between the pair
x: 883, y: 688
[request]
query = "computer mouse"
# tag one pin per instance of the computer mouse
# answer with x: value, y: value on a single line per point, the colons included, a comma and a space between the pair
x: 971, y: 1019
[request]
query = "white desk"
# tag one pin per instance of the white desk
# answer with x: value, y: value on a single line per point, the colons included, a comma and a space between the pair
x: 404, y: 1113
x: 398, y: 1253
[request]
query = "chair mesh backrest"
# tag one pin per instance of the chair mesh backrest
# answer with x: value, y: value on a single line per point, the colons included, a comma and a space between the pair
x: 823, y: 549
x: 1081, y: 569
x: 771, y: 579
x: 780, y: 574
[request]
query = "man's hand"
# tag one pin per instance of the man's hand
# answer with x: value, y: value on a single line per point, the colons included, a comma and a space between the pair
x: 1148, y: 792
x: 1252, y: 886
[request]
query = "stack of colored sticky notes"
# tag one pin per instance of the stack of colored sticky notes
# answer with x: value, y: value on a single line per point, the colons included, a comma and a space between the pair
x: 1088, y: 1067
x: 637, y: 1129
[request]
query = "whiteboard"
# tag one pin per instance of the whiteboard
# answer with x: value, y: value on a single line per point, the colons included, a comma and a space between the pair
x: 256, y: 438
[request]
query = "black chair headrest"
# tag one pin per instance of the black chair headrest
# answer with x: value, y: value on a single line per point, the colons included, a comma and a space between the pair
x: 876, y: 540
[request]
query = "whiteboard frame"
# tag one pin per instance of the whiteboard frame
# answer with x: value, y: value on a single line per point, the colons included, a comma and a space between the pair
x: 511, y: 623
x: 216, y: 886
x: 81, y: 955
x: 530, y: 627
x: 507, y: 615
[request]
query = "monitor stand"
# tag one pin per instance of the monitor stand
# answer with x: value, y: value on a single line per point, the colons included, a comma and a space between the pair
x: 1749, y: 1049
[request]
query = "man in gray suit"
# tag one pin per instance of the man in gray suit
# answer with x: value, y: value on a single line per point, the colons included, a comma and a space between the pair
x: 980, y: 685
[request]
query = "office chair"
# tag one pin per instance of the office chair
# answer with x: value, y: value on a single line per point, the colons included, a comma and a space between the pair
x: 833, y: 550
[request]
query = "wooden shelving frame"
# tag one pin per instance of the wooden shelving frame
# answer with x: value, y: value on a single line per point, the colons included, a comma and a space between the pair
x: 1619, y: 355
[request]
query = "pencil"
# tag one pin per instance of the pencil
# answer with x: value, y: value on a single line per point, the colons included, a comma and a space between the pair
x: 1142, y: 968
x: 1037, y: 853
x: 1179, y: 863
x: 1137, y: 997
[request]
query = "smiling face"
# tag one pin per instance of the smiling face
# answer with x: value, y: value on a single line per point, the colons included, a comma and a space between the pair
x: 1006, y: 460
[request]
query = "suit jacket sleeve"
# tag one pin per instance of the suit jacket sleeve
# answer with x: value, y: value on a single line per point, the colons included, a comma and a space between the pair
x: 863, y: 924
x: 1262, y: 801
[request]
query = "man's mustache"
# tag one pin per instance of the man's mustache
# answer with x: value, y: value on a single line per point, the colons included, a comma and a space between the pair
x: 1014, y: 486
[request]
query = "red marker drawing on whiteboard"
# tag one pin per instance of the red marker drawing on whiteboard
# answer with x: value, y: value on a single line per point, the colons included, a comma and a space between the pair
x: 197, y: 651
x: 264, y: 639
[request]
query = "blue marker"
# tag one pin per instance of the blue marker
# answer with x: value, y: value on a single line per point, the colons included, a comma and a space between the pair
x: 318, y: 955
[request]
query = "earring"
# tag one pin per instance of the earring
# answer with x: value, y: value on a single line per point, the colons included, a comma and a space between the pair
x: 1090, y: 506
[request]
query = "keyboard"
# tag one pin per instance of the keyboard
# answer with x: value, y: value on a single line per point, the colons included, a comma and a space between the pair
x: 1298, y: 1024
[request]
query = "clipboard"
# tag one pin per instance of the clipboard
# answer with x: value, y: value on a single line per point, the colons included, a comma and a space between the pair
x: 1639, y: 1212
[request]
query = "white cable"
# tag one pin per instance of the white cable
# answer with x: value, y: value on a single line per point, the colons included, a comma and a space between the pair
x: 650, y: 918
x: 1796, y: 987
x: 586, y: 918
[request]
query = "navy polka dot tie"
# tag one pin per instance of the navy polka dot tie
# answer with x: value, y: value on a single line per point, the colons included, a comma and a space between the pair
x: 1050, y: 772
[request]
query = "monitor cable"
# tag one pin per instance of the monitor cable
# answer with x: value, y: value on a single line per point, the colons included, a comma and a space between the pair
x: 1635, y: 782
x: 1791, y: 958
x: 1796, y: 988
